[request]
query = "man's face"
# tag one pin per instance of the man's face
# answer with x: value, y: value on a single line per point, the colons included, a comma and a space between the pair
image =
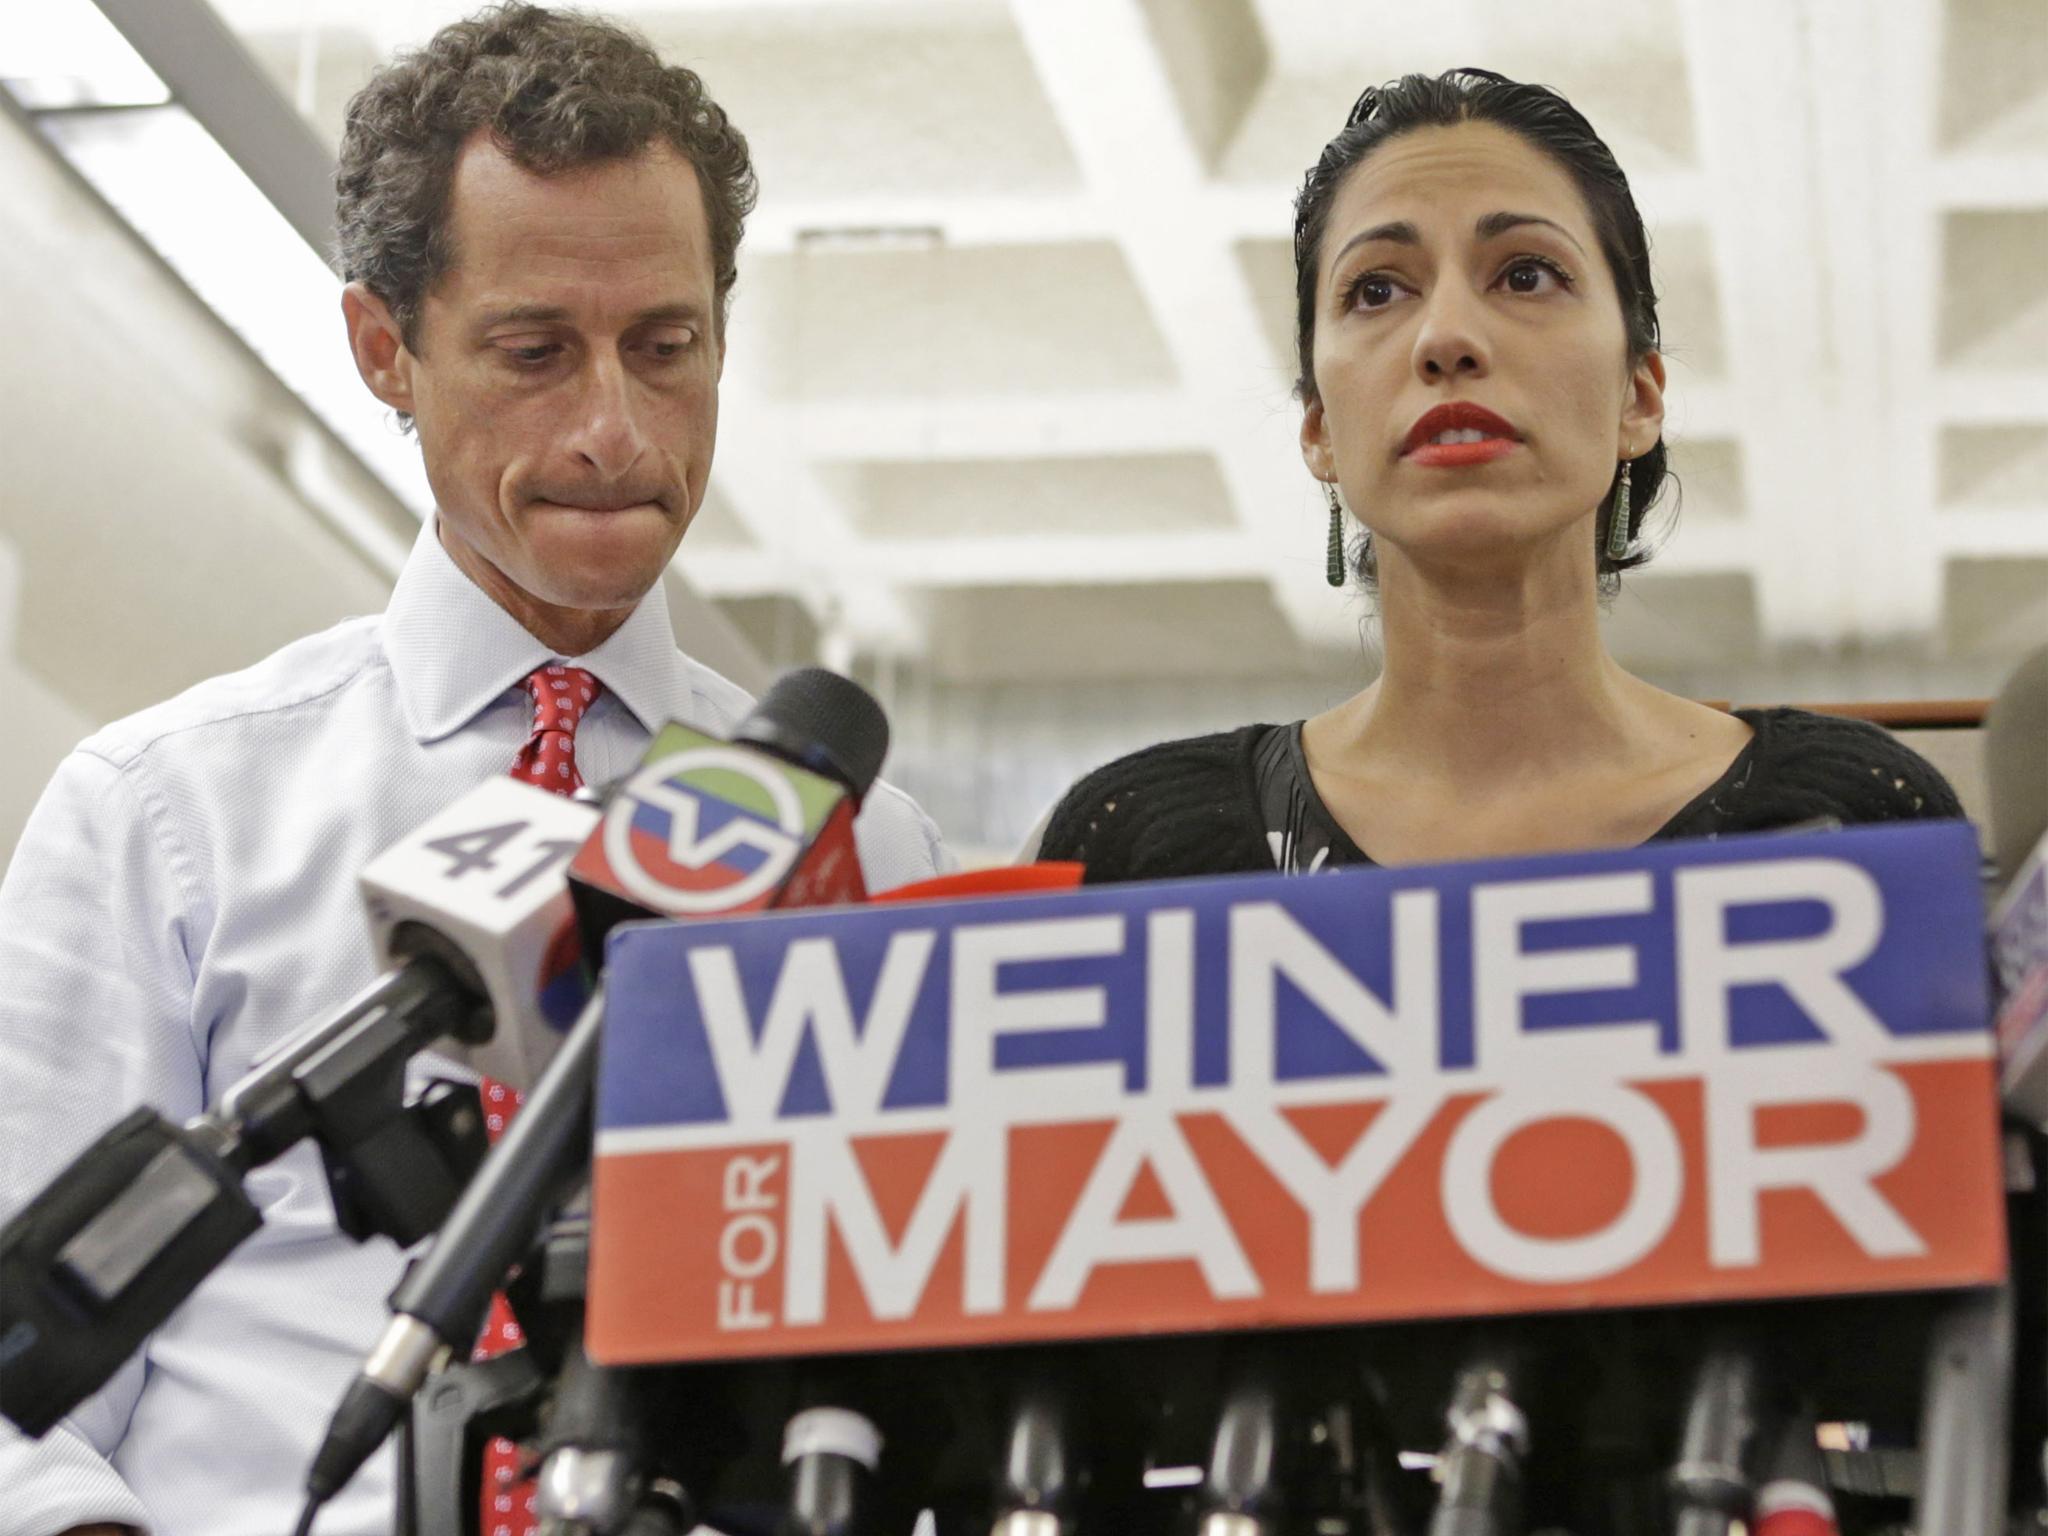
x: 565, y: 386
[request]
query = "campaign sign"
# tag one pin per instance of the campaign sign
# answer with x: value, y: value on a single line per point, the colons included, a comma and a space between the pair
x: 1745, y: 1068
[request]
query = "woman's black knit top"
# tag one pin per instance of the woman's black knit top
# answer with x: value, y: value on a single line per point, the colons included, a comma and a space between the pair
x: 1241, y: 801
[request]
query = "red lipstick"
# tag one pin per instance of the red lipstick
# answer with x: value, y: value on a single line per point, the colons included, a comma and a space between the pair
x: 1498, y: 436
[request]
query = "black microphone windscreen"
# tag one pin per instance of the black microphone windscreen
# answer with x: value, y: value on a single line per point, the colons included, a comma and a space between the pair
x: 823, y: 722
x: 2016, y: 763
x: 103, y: 1255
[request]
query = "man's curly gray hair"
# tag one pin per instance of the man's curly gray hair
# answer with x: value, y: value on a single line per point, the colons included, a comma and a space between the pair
x: 555, y: 89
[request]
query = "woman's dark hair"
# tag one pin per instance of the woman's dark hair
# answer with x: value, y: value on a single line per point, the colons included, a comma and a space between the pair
x: 1551, y: 124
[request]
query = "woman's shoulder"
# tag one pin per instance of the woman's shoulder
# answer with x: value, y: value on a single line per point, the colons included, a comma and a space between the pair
x: 1827, y: 765
x: 1178, y: 808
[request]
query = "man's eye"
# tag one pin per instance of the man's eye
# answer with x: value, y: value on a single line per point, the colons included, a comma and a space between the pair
x: 667, y: 349
x: 538, y: 352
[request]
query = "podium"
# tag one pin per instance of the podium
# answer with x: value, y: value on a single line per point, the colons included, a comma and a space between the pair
x: 1582, y: 1112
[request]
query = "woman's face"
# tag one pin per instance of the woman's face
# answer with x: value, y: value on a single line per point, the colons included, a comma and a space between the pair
x: 1473, y: 385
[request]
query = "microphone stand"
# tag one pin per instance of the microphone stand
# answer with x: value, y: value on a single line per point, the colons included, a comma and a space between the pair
x: 118, y: 1241
x: 592, y: 1457
x: 465, y: 1404
x: 1713, y: 1483
x: 440, y: 1303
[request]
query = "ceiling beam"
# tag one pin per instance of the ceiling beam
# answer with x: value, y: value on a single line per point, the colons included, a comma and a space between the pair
x: 999, y: 427
x: 213, y: 77
x: 1980, y: 179
x: 1830, y: 281
x: 1020, y: 560
x: 770, y: 481
x: 1104, y: 73
x: 1990, y: 397
x: 1878, y: 82
x: 1994, y: 532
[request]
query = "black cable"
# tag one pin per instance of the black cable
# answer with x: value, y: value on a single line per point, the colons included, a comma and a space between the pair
x: 305, y: 1525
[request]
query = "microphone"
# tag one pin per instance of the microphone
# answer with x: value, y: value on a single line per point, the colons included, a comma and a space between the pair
x: 1036, y: 1488
x: 484, y: 886
x: 1480, y: 1466
x: 831, y: 1454
x: 710, y: 828
x: 470, y: 914
x: 1794, y: 1498
x: 1711, y: 1484
x: 702, y: 827
x: 1243, y: 1493
x: 2016, y: 766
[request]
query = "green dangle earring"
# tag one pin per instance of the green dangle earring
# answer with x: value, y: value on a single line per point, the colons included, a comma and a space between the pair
x: 1333, y: 564
x: 1617, y: 517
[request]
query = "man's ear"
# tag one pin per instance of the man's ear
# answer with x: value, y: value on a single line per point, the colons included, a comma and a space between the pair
x: 1642, y: 412
x: 1315, y: 443
x: 379, y: 348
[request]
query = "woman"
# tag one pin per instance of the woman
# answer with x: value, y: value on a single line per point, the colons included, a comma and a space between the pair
x: 1480, y: 381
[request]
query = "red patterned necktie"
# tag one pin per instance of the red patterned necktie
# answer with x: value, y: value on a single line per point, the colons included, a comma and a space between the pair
x: 561, y: 697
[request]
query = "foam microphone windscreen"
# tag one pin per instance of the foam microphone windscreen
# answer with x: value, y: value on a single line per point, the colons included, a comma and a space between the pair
x: 824, y: 722
x: 104, y: 1255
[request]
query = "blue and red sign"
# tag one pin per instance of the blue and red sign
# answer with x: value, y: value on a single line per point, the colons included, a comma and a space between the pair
x: 1752, y: 1067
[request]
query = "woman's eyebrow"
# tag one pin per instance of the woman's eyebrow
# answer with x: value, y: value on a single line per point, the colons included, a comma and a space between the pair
x: 1491, y: 226
x: 1494, y: 224
x: 1400, y: 232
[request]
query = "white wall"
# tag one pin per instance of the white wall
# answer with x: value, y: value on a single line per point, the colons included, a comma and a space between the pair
x: 147, y: 539
x: 42, y: 726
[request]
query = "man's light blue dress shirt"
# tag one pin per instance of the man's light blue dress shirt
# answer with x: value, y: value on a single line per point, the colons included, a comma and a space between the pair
x: 183, y: 897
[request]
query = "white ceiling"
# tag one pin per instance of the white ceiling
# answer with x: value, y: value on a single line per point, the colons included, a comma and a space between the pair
x: 1008, y: 390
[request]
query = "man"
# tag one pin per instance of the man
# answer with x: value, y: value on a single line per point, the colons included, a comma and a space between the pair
x: 538, y: 224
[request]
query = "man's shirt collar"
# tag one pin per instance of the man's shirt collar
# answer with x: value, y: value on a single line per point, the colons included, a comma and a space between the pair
x: 453, y: 650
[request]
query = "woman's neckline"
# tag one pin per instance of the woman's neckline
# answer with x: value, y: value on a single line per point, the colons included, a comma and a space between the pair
x: 1344, y: 850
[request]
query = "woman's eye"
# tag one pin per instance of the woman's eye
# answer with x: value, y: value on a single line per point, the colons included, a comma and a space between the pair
x: 1530, y: 275
x: 1373, y: 291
